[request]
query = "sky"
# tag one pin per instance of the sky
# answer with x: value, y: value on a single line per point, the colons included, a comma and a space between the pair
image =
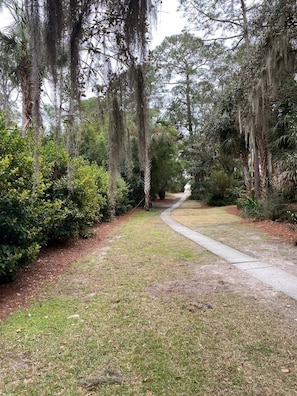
x: 169, y: 22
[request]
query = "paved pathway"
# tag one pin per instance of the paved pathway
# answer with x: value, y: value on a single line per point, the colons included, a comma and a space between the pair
x: 272, y: 276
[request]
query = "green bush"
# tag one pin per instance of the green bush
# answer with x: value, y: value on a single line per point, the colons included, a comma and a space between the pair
x: 19, y: 226
x: 275, y: 208
x: 20, y: 234
x: 70, y: 212
x: 51, y: 209
x: 219, y: 190
x: 198, y: 191
x: 250, y: 207
x: 123, y: 204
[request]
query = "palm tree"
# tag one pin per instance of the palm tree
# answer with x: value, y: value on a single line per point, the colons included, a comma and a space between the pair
x: 15, y: 43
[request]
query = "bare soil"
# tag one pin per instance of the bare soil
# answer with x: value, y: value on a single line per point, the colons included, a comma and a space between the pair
x: 52, y: 261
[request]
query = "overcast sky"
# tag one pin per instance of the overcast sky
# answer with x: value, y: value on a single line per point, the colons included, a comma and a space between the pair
x: 169, y: 22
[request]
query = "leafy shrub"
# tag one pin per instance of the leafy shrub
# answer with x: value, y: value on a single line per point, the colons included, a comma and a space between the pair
x: 198, y: 191
x: 19, y: 232
x: 32, y: 215
x: 19, y: 228
x: 71, y: 212
x: 274, y: 208
x: 250, y: 207
x: 123, y: 204
x: 219, y: 190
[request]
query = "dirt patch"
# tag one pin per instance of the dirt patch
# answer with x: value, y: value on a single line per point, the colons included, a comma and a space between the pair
x: 221, y: 278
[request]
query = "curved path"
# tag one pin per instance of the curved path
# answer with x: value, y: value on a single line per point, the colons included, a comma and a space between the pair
x: 272, y: 276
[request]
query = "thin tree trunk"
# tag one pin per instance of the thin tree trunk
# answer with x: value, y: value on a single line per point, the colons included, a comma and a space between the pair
x: 24, y: 77
x: 188, y: 103
x: 246, y: 173
x: 264, y: 171
x: 147, y: 181
x: 36, y: 83
x: 143, y: 132
x: 245, y: 27
x: 256, y: 173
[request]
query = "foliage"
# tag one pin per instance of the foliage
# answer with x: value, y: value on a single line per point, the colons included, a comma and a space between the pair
x: 183, y: 65
x: 251, y: 117
x: 218, y: 190
x: 33, y: 216
x: 94, y: 131
x: 275, y: 208
x: 19, y: 229
x: 291, y: 216
x: 167, y: 167
x: 122, y: 201
x: 228, y: 17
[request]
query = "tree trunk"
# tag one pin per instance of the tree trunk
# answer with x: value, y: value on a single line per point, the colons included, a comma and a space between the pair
x: 189, y: 110
x: 143, y: 130
x: 147, y: 182
x: 264, y: 171
x: 245, y: 27
x: 256, y: 173
x: 24, y: 76
x: 246, y: 173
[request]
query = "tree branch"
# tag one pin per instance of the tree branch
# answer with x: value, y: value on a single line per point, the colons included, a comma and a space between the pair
x: 223, y: 38
x: 211, y: 18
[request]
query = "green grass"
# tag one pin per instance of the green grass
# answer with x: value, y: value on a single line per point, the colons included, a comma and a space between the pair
x: 218, y: 224
x: 112, y: 311
x: 191, y: 214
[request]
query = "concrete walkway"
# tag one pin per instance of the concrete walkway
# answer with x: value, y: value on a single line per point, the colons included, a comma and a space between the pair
x: 272, y: 276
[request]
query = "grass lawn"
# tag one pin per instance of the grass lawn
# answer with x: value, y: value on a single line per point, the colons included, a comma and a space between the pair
x: 126, y: 320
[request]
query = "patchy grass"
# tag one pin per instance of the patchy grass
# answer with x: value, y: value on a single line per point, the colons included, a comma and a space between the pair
x: 100, y: 320
x: 222, y: 226
x: 192, y: 214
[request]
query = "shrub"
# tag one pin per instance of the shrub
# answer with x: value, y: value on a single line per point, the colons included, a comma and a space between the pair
x: 274, y: 208
x: 71, y: 212
x: 19, y: 232
x: 31, y: 215
x: 19, y: 226
x: 123, y: 204
x: 219, y: 190
x: 198, y: 191
x: 250, y: 207
x: 291, y: 216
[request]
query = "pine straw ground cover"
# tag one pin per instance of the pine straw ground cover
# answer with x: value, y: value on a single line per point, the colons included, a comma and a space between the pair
x: 150, y: 314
